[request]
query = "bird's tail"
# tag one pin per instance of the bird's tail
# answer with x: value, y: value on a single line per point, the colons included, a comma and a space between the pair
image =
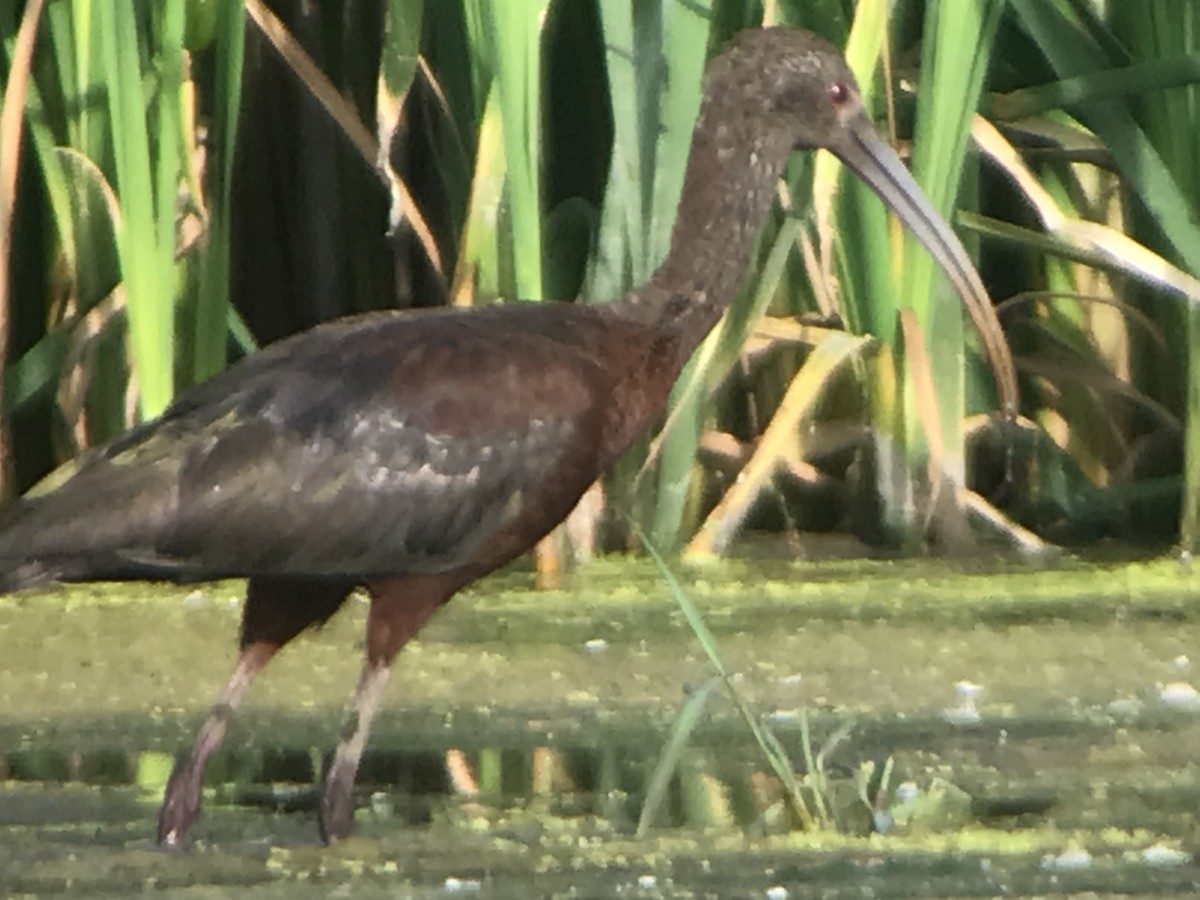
x: 67, y: 535
x: 20, y: 574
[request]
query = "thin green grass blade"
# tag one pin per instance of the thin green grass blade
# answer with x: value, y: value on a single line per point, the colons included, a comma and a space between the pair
x: 57, y: 185
x: 34, y: 376
x: 685, y: 36
x: 167, y: 142
x: 145, y: 244
x: 478, y: 273
x: 213, y: 302
x: 516, y: 37
x: 1139, y: 80
x: 685, y: 41
x: 672, y: 754
x: 240, y: 332
x: 620, y: 242
x: 81, y: 64
x: 867, y: 300
x: 955, y: 53
x: 769, y: 745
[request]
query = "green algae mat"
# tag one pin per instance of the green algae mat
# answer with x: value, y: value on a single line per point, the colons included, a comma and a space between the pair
x: 960, y: 730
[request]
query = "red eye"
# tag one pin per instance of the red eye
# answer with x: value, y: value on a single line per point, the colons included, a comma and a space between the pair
x: 839, y: 93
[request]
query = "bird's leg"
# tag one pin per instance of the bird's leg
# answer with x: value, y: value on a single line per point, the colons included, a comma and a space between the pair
x: 275, y: 612
x: 398, y: 609
x: 336, y: 816
x: 181, y: 802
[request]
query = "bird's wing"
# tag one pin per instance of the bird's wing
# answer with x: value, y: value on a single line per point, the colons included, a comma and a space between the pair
x: 358, y: 451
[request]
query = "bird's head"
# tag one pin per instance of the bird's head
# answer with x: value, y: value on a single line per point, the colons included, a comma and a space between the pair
x: 774, y: 90
x: 782, y: 89
x: 789, y: 84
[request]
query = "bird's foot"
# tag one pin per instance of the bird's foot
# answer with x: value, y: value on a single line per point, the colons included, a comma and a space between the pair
x: 181, y: 805
x: 335, y: 816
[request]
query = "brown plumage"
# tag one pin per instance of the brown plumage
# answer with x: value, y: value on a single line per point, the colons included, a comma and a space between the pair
x: 413, y: 453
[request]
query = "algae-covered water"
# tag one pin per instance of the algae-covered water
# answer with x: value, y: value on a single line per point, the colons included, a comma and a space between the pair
x: 1040, y: 731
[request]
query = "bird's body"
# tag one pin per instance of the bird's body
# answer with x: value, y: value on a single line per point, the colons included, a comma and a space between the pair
x: 384, y: 444
x: 413, y: 453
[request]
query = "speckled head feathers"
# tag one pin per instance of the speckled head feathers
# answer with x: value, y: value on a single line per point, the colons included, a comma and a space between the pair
x: 785, y: 83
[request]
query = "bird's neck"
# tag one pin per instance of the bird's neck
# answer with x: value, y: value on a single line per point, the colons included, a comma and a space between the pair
x: 728, y: 190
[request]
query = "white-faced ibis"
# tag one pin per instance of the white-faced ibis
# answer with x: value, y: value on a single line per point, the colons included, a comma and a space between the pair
x: 413, y: 453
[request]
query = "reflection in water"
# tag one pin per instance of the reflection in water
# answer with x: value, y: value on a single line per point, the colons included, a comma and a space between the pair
x: 885, y: 777
x: 408, y: 785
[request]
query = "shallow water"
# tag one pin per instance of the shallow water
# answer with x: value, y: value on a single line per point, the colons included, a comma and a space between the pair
x: 519, y: 736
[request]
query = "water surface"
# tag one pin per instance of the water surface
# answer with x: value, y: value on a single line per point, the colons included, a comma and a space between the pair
x: 521, y: 731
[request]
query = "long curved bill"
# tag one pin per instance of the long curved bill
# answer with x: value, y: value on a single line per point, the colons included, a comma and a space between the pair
x: 869, y: 157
